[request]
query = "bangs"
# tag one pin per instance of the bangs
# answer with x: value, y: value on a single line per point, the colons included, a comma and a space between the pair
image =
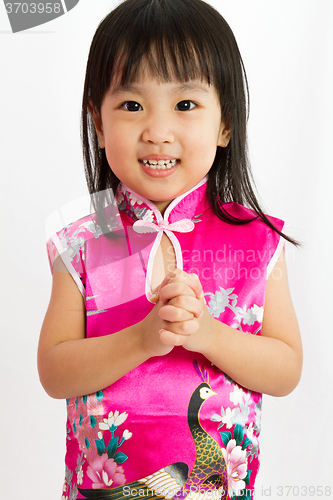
x: 171, y: 39
x: 164, y: 58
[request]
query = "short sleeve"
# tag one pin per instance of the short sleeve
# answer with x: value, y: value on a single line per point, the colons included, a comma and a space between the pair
x: 276, y: 243
x: 70, y: 245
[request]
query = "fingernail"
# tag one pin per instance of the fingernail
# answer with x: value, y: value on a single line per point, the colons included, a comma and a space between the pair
x: 154, y: 297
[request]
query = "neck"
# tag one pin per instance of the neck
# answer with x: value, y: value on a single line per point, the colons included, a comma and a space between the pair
x: 162, y: 205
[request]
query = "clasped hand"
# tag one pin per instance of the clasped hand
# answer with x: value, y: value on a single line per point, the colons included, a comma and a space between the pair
x: 186, y: 319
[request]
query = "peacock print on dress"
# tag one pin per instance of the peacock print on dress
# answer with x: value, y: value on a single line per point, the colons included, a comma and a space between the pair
x: 206, y: 480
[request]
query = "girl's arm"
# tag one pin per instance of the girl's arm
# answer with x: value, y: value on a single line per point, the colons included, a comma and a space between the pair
x: 270, y: 363
x: 71, y: 365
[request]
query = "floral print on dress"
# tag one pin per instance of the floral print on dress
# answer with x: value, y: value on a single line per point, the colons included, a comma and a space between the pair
x: 69, y: 492
x: 74, y: 242
x: 74, y: 493
x: 113, y: 421
x: 220, y: 300
x: 100, y: 441
x: 104, y: 472
x: 131, y: 204
x: 235, y: 459
x: 68, y: 479
x: 110, y: 425
x: 79, y: 469
x: 240, y: 438
x: 250, y: 316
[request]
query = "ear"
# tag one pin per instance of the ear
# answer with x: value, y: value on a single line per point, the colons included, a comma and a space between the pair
x: 98, y: 125
x: 225, y: 133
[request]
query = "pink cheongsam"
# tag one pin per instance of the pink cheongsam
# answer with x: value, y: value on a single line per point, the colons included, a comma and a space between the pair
x: 176, y: 426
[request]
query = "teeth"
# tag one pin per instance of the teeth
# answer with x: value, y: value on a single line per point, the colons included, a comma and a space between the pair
x: 160, y: 164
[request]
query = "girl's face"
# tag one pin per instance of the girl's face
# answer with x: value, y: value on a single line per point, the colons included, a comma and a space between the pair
x: 160, y: 138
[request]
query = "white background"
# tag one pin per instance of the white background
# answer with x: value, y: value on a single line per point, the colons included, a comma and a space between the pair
x: 287, y: 47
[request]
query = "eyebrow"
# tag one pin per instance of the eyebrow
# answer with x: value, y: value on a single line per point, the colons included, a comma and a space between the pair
x: 179, y: 87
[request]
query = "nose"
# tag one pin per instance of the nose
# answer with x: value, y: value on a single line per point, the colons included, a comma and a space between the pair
x: 158, y: 129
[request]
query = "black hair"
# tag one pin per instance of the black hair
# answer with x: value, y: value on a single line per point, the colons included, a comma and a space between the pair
x: 184, y: 40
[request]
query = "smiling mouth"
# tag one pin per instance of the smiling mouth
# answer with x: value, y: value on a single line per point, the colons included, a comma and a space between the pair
x: 159, y: 164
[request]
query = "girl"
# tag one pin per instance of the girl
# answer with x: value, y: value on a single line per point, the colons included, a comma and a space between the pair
x: 157, y: 316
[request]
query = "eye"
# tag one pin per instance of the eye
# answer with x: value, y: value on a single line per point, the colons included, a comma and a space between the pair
x: 185, y: 105
x: 131, y: 106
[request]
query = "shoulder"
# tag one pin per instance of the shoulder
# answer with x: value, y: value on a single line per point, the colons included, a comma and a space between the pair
x: 255, y: 235
x: 80, y: 230
x: 69, y: 239
x: 73, y: 236
x: 241, y: 212
x: 66, y: 248
x: 255, y: 224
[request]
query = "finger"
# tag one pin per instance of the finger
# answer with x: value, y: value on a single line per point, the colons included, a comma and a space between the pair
x: 196, y: 285
x: 175, y: 289
x: 184, y: 328
x: 171, y: 339
x: 191, y: 280
x: 154, y: 298
x: 176, y: 334
x: 176, y: 273
x: 174, y: 314
x: 190, y: 304
x: 155, y: 292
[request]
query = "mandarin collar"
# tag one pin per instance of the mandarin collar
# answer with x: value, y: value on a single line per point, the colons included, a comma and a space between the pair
x: 186, y: 207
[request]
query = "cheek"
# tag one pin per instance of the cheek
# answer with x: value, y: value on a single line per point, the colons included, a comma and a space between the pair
x: 202, y: 143
x: 116, y: 140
